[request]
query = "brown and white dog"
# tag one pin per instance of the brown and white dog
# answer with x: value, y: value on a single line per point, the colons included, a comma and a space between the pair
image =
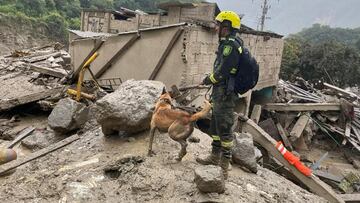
x: 179, y: 124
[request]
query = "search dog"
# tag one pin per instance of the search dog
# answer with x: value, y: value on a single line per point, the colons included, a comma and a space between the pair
x: 178, y: 123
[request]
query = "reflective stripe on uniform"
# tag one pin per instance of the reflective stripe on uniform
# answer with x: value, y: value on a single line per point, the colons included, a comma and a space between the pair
x: 240, y: 50
x: 215, y: 138
x: 233, y: 70
x: 212, y: 78
x: 227, y: 144
x: 231, y: 39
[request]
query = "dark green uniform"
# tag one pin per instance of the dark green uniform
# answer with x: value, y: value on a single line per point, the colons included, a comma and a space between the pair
x: 223, y: 96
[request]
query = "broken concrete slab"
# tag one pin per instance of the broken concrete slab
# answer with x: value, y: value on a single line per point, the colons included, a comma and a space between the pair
x: 243, y: 152
x: 129, y: 108
x: 210, y: 179
x: 67, y: 116
x: 56, y: 72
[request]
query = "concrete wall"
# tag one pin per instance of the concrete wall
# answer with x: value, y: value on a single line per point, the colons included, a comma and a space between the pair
x: 96, y: 21
x: 102, y: 21
x: 202, y: 44
x: 191, y: 58
x: 139, y: 61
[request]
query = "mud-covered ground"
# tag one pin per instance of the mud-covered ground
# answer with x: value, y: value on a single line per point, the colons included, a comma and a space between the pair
x: 76, y: 174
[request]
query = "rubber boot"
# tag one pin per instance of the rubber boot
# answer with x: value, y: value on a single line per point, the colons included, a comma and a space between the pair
x: 212, y: 159
x: 225, y: 166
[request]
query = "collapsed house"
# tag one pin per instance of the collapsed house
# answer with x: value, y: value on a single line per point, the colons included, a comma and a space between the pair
x: 177, y: 48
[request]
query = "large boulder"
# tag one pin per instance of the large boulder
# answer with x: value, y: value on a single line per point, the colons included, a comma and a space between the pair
x: 129, y: 108
x: 68, y: 115
x: 243, y: 153
x: 210, y: 179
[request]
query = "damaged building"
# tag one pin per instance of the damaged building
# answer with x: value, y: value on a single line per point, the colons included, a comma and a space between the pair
x: 95, y: 142
x: 176, y: 47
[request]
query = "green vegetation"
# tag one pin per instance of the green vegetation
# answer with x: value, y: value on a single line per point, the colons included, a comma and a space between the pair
x: 323, y: 53
x: 59, y: 15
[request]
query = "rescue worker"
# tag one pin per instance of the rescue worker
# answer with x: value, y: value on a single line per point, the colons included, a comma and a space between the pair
x: 223, y: 96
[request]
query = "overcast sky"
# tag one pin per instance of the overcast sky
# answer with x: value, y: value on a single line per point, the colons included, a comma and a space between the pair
x: 291, y: 16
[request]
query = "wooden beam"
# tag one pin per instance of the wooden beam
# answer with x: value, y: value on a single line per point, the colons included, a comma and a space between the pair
x: 23, y: 134
x: 299, y: 127
x: 49, y: 71
x: 350, y: 198
x: 339, y: 90
x: 14, y: 164
x: 284, y: 136
x: 327, y: 176
x: 117, y: 55
x: 97, y: 46
x: 347, y: 132
x: 312, y: 182
x: 11, y: 103
x: 356, y: 131
x: 302, y: 107
x: 166, y: 53
x: 256, y: 113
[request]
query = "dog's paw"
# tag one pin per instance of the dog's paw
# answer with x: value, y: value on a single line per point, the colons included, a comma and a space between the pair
x: 151, y: 153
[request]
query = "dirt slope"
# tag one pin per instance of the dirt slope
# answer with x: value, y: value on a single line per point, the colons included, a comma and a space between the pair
x: 17, y: 34
x: 76, y: 174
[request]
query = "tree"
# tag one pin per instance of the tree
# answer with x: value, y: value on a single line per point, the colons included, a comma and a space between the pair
x: 34, y: 8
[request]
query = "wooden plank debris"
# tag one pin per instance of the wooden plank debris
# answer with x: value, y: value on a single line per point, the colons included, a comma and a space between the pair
x: 327, y: 176
x: 339, y: 90
x: 117, y: 55
x: 10, y: 103
x: 350, y: 198
x: 256, y: 113
x: 356, y: 131
x: 302, y: 107
x: 14, y: 164
x: 299, y: 127
x: 23, y: 134
x: 59, y: 73
x: 347, y: 132
x: 166, y: 53
x: 312, y: 182
x: 284, y: 136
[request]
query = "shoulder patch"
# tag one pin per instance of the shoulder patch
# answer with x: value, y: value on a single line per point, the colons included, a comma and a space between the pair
x: 227, y: 50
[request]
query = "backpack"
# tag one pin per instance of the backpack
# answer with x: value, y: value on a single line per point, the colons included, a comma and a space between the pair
x: 247, y: 75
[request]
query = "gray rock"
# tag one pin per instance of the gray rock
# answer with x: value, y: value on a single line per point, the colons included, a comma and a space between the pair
x: 243, y: 152
x: 129, y: 108
x: 68, y: 115
x: 210, y: 179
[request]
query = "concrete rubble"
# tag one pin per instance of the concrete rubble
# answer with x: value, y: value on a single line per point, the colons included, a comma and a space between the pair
x: 32, y: 75
x: 209, y: 179
x: 244, y: 153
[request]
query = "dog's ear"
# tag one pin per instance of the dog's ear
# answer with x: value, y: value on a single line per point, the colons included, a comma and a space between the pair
x: 164, y: 90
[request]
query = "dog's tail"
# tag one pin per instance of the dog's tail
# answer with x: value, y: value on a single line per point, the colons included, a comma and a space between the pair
x: 202, y: 113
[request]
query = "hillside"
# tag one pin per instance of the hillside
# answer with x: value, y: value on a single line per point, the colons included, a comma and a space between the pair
x: 19, y: 33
